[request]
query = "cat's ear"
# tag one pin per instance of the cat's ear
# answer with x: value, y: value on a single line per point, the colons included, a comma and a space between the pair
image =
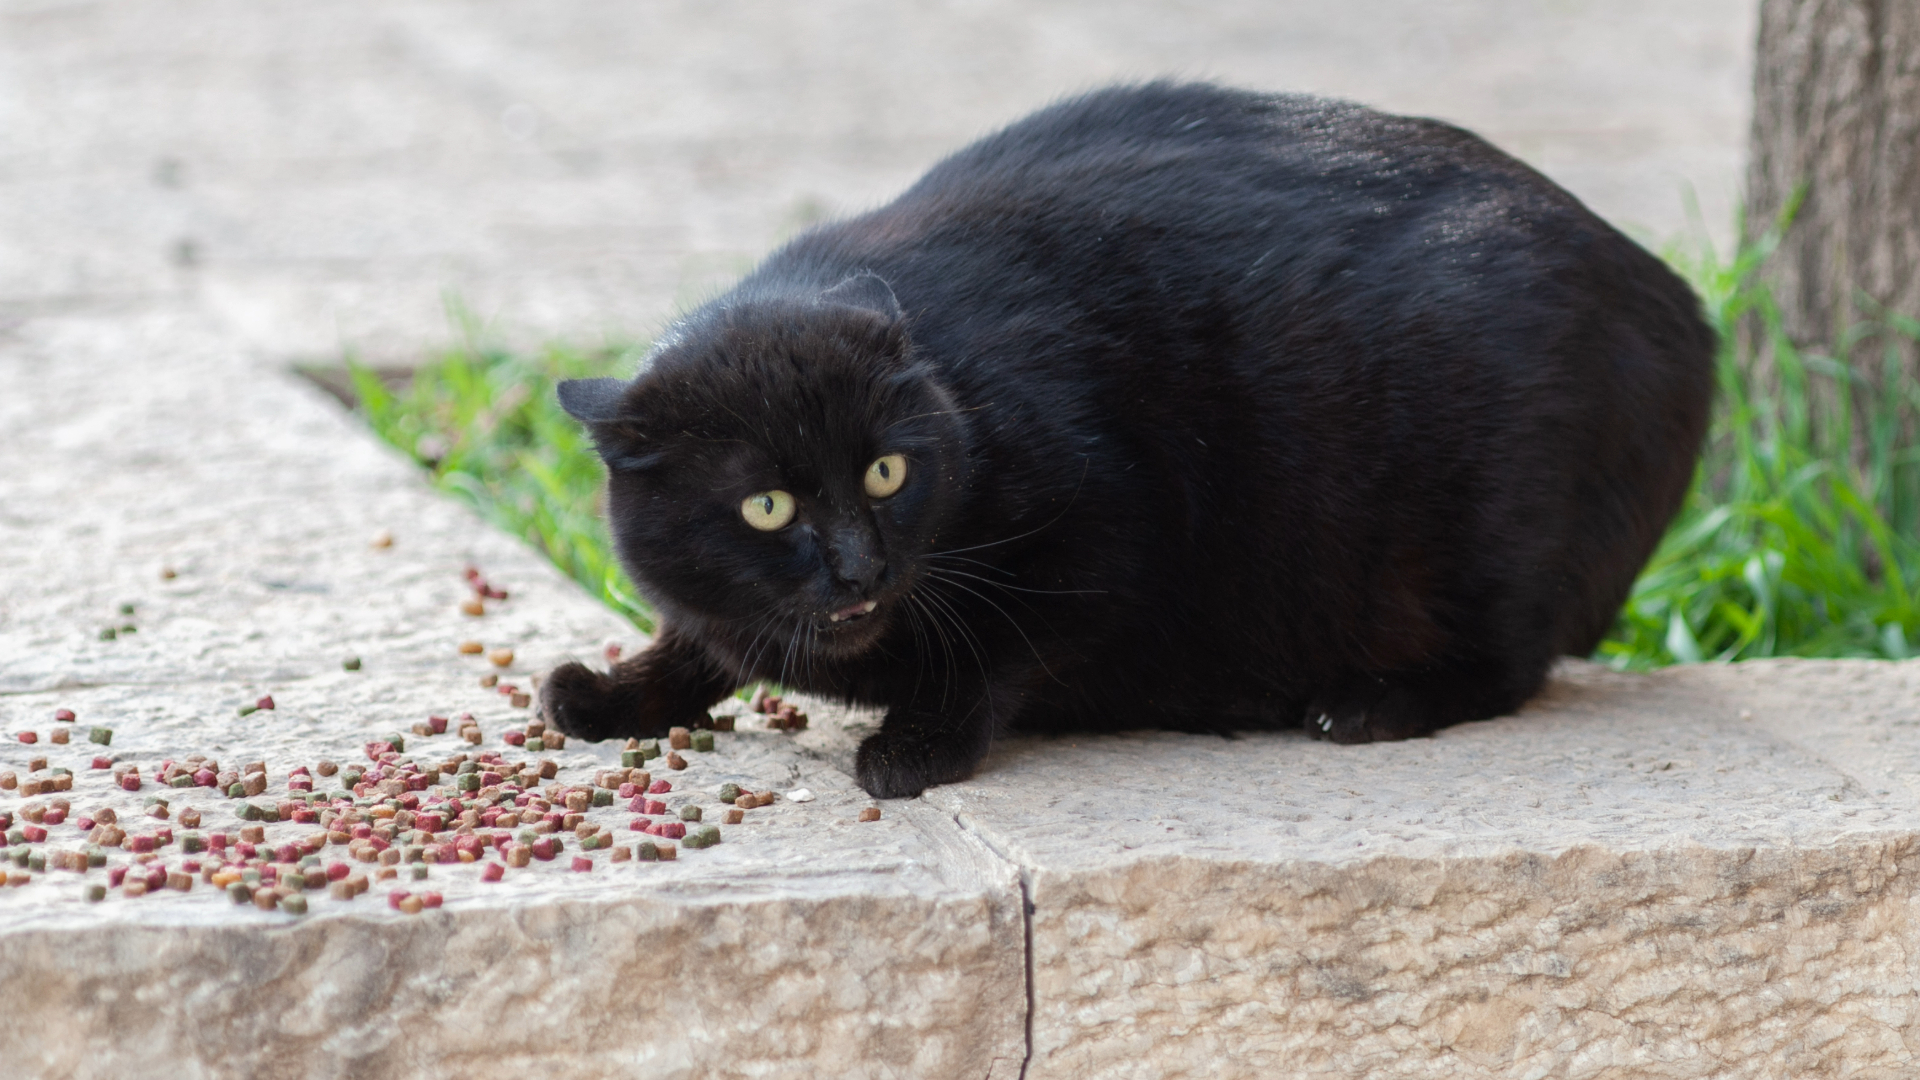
x: 867, y: 291
x: 592, y: 401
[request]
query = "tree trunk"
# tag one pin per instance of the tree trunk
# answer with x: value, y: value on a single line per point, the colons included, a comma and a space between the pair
x: 1837, y: 110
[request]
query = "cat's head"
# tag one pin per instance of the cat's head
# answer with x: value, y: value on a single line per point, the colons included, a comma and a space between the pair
x: 777, y: 469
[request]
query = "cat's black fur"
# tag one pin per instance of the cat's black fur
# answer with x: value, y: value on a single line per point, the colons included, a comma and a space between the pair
x: 1223, y: 410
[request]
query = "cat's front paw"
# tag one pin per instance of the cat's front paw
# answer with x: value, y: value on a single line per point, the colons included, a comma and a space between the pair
x: 902, y: 764
x: 581, y: 703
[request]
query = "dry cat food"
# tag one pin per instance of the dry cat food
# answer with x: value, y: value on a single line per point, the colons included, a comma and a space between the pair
x: 781, y: 715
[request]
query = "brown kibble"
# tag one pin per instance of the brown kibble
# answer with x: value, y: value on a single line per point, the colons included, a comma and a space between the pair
x: 8, y: 781
x: 58, y: 735
x: 632, y: 744
x: 871, y: 813
x: 538, y: 727
x: 179, y: 881
x: 326, y: 768
x: 189, y: 818
x: 554, y: 740
x: 679, y: 738
x: 167, y: 573
x: 578, y: 800
x: 472, y: 735
x: 667, y: 851
x: 340, y: 890
x: 723, y: 723
x: 521, y: 701
x: 489, y: 680
x: 471, y: 648
x: 382, y: 539
x: 254, y: 784
x: 549, y: 769
x: 500, y: 657
x: 763, y: 798
x: 675, y: 761
x: 473, y: 606
x: 105, y: 816
x: 266, y: 899
x: 412, y: 905
x: 36, y: 764
x: 253, y: 834
x: 620, y: 854
x: 735, y: 817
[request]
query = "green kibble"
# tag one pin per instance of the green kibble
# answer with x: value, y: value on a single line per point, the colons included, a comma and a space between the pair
x: 729, y: 792
x: 350, y: 777
x: 126, y: 609
x: 602, y: 797
x: 351, y: 663
x: 37, y: 861
x: 96, y: 893
x: 237, y: 790
x: 649, y: 748
x: 18, y: 855
x: 247, y: 811
x: 526, y: 836
x: 414, y: 853
x: 689, y: 813
x: 647, y: 851
x: 101, y: 735
x: 249, y: 710
x: 536, y: 746
x: 293, y: 879
x: 702, y: 836
x: 128, y: 629
x: 467, y: 782
x: 108, y: 633
x: 703, y: 740
x: 191, y: 843
x: 60, y: 770
x: 294, y: 905
x: 240, y: 892
x: 308, y: 862
x: 467, y: 767
x: 399, y: 742
x: 16, y: 837
x: 630, y: 758
x: 96, y: 857
x: 251, y: 877
x: 183, y: 780
x: 419, y: 871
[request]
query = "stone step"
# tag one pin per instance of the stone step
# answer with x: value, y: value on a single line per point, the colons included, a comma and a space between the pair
x: 1705, y: 871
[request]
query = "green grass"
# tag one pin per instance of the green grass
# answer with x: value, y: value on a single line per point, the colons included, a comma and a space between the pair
x: 1792, y: 542
x: 485, y: 424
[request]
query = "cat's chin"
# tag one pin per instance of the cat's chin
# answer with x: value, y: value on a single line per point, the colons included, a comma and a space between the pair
x: 844, y: 635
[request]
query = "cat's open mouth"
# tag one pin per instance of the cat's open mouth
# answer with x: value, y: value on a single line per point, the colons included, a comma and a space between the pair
x: 854, y: 611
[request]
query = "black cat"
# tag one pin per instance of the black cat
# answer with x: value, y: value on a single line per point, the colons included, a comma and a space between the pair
x: 1169, y: 406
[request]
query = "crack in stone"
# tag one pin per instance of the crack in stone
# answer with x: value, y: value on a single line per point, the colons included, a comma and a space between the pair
x: 1027, y: 910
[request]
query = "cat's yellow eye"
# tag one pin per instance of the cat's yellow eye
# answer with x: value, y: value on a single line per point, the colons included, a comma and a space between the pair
x: 885, y: 475
x: 767, y: 510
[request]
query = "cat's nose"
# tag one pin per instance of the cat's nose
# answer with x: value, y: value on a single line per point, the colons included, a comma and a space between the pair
x: 856, y: 558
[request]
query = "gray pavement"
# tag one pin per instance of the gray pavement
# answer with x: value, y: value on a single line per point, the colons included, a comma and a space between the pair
x: 1705, y: 872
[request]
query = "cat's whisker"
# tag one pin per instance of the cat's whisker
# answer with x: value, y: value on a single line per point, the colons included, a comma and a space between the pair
x: 1019, y: 588
x: 1086, y: 463
x: 1031, y: 647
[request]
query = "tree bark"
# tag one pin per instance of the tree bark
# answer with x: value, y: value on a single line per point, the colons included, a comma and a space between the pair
x: 1837, y: 109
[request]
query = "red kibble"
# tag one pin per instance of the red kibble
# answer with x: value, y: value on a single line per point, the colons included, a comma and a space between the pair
x: 394, y: 898
x: 660, y: 787
x: 286, y: 853
x: 613, y: 651
x: 217, y: 842
x: 543, y: 848
x: 338, y: 871
x: 55, y: 816
x: 29, y: 737
x: 130, y: 782
x: 103, y: 763
x: 205, y: 778
x: 640, y: 824
x: 493, y: 871
x: 626, y: 791
x: 84, y: 824
x: 672, y: 830
x: 582, y: 864
x: 264, y: 703
x: 65, y: 716
x: 35, y: 834
x: 472, y: 572
x: 431, y: 899
x: 137, y: 844
x: 438, y: 724
x: 245, y: 850
x: 514, y: 738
